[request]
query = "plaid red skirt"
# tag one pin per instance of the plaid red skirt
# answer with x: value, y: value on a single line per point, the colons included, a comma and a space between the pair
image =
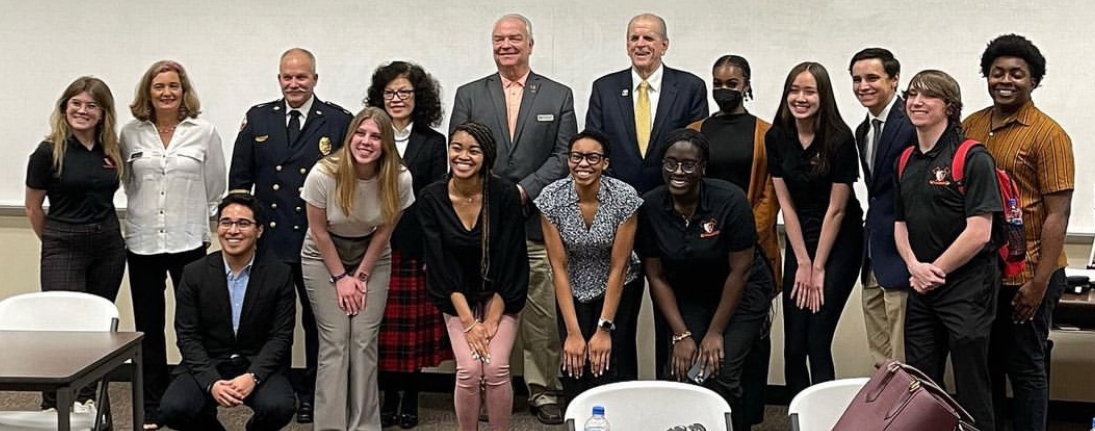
x: 412, y: 334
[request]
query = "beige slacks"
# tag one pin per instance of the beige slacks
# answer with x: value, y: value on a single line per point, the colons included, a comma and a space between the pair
x: 884, y: 317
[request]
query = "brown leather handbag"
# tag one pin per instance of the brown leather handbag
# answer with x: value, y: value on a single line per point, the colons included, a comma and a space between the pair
x: 901, y: 398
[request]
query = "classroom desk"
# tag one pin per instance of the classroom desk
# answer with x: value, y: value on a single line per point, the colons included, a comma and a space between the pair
x: 1076, y: 311
x: 67, y: 361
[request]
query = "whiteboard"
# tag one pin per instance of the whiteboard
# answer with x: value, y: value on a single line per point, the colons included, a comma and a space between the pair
x: 231, y: 50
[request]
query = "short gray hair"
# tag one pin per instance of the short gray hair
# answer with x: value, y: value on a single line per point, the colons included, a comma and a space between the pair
x: 519, y: 17
x: 665, y: 30
x: 307, y: 53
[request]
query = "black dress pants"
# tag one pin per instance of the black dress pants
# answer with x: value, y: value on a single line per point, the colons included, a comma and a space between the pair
x: 87, y: 258
x: 186, y: 406
x: 956, y: 318
x: 808, y: 336
x: 623, y: 340
x: 147, y: 284
x: 1018, y: 353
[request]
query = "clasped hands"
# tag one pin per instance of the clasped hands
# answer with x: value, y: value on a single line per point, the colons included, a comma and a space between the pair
x: 231, y: 393
x: 809, y: 289
x: 709, y: 353
x: 352, y: 293
x: 478, y: 335
x: 924, y: 277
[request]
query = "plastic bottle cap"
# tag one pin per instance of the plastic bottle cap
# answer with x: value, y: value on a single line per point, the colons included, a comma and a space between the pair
x: 598, y: 410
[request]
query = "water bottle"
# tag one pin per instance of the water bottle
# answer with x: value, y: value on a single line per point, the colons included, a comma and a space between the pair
x: 597, y: 422
x: 1014, y: 215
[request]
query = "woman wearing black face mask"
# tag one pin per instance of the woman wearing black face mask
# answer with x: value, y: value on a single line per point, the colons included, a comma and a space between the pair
x: 737, y: 155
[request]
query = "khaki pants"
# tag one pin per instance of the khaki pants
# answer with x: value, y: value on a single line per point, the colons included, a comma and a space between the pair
x: 539, y: 332
x: 347, y: 397
x: 884, y: 316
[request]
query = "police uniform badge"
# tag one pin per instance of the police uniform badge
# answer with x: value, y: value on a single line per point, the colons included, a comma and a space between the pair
x: 325, y: 145
x: 939, y: 176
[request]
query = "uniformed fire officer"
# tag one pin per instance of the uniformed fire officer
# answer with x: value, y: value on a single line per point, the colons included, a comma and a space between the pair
x: 278, y: 144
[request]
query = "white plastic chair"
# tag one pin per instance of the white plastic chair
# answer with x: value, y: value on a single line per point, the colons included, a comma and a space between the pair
x: 819, y: 407
x: 652, y: 405
x: 56, y: 311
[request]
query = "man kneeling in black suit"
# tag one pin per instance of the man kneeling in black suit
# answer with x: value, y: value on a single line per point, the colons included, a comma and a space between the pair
x: 234, y: 317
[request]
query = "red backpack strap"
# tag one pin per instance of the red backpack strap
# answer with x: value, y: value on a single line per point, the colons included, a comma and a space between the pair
x: 904, y: 160
x: 958, y: 164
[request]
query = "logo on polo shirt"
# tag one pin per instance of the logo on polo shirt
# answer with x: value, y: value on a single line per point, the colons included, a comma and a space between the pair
x: 939, y: 176
x: 709, y: 228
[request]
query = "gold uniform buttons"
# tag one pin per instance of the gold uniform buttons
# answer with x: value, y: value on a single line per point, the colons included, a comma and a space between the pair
x: 277, y: 187
x: 277, y: 168
x: 303, y: 171
x: 273, y: 224
x: 274, y: 206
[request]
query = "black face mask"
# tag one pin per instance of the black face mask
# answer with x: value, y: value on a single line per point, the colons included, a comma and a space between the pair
x: 727, y: 99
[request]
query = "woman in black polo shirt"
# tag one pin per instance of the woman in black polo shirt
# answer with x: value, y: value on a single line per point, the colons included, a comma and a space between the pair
x: 78, y: 168
x: 813, y: 161
x: 708, y: 278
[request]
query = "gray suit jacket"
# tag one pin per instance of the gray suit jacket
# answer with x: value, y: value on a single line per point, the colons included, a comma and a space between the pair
x: 536, y: 156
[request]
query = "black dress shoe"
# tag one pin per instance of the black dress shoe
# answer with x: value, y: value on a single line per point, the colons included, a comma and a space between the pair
x: 408, y: 421
x: 388, y: 419
x: 304, y: 413
x: 548, y: 414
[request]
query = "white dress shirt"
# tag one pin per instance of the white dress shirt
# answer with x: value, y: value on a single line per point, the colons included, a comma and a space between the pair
x: 172, y: 192
x: 882, y: 116
x: 654, y: 91
x: 402, y: 137
x: 304, y: 110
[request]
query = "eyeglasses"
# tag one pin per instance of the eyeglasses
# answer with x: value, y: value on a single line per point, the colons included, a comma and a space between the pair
x: 77, y: 104
x: 592, y: 158
x: 403, y: 94
x: 687, y: 166
x: 242, y: 224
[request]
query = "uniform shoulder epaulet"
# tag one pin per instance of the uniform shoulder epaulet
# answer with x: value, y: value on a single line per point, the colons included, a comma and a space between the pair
x: 338, y: 108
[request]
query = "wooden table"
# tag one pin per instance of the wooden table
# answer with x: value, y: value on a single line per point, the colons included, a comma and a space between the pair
x: 67, y: 361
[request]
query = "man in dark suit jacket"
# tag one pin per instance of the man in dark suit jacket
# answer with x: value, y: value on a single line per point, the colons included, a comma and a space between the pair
x: 234, y: 317
x: 532, y: 118
x: 675, y: 100
x: 277, y: 145
x: 881, y: 138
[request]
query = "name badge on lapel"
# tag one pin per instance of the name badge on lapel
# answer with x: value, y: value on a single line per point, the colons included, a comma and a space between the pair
x: 545, y: 118
x: 262, y: 138
x: 325, y: 145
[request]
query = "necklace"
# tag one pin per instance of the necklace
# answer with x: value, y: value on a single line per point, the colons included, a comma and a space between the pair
x: 463, y: 199
x: 167, y: 130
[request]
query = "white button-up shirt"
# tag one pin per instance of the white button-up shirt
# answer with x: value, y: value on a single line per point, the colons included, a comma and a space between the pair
x: 172, y: 191
x: 654, y: 91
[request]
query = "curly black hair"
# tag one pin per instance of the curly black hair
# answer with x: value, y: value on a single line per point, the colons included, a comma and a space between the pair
x: 427, y: 92
x: 1013, y: 45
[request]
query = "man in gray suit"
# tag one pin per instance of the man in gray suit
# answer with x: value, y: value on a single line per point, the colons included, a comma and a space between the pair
x: 533, y: 119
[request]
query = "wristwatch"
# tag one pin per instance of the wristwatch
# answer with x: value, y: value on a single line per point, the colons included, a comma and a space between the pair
x: 336, y: 278
x: 606, y: 325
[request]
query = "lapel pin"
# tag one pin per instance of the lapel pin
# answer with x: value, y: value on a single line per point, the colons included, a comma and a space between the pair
x: 318, y: 112
x: 533, y: 88
x: 623, y: 93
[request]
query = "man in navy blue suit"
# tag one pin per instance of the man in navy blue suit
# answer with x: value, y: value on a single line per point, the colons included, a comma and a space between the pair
x: 881, y: 138
x: 635, y: 108
x: 278, y: 144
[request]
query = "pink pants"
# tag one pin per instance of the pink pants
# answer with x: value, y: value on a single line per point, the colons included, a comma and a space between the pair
x: 469, y: 372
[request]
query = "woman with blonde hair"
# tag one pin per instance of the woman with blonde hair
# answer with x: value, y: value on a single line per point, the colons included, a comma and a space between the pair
x: 354, y: 202
x: 175, y: 181
x: 78, y: 167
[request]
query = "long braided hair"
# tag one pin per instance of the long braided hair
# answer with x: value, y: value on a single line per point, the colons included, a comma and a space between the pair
x: 485, y: 138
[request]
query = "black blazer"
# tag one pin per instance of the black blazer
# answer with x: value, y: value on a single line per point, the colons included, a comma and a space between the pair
x: 425, y: 157
x: 264, y: 158
x: 897, y: 135
x: 203, y: 318
x: 683, y: 101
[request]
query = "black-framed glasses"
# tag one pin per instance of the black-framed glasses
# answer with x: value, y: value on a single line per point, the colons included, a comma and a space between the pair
x: 687, y: 166
x: 593, y: 158
x: 242, y: 224
x: 402, y: 94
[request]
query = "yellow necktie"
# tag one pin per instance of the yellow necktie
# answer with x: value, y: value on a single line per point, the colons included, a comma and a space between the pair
x: 642, y: 117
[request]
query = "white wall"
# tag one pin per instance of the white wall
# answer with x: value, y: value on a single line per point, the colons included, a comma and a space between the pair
x: 231, y: 50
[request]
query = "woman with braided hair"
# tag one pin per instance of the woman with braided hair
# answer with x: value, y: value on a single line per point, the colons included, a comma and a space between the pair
x: 476, y: 270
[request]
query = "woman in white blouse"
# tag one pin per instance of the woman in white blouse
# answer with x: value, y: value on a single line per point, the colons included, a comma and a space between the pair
x: 175, y: 178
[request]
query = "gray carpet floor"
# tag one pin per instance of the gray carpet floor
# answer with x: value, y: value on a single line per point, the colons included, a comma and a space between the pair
x: 435, y: 413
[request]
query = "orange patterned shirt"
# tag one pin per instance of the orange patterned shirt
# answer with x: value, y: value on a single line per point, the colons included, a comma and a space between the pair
x: 1037, y: 154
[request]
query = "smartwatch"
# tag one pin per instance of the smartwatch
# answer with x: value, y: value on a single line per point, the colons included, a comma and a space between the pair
x: 606, y: 325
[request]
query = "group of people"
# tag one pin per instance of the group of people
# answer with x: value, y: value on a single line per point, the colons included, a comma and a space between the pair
x: 519, y: 225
